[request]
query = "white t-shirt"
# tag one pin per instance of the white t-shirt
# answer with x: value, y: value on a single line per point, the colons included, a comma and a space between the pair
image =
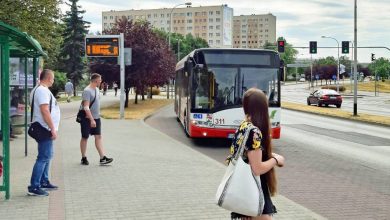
x: 42, y: 96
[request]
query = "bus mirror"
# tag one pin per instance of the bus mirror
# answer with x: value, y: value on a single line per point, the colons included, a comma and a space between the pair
x: 281, y: 70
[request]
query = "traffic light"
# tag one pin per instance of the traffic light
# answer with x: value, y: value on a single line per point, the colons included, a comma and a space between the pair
x: 345, y: 47
x: 313, y: 46
x: 373, y: 57
x: 281, y: 46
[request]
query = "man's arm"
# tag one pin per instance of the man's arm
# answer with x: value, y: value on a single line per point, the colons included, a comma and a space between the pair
x: 47, y: 118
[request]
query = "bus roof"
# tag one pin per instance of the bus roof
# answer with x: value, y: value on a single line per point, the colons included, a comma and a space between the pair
x: 180, y: 64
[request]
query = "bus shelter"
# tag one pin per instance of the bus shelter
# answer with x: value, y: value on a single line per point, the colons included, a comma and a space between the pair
x: 14, y: 44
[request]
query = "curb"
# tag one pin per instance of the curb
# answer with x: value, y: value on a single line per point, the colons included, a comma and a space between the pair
x: 354, y: 118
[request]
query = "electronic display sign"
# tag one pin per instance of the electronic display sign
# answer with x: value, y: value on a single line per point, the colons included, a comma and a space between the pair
x: 102, y: 47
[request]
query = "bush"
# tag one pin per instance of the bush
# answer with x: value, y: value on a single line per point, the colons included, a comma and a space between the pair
x: 334, y: 87
x: 59, y: 83
x: 155, y: 91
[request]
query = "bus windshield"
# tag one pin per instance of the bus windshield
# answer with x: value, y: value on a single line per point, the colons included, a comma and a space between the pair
x: 223, y: 87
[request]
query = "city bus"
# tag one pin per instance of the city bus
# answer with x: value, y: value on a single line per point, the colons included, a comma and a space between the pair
x: 210, y: 83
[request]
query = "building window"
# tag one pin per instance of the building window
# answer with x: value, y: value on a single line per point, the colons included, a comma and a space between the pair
x: 196, y: 27
x: 149, y: 16
x: 218, y: 20
x: 162, y: 28
x: 111, y: 17
x: 211, y: 27
x: 105, y: 17
x: 203, y: 27
x: 217, y: 34
x: 189, y: 28
x: 203, y: 34
x: 210, y: 12
x: 189, y: 21
x: 155, y: 15
x: 210, y: 20
x: 218, y: 27
x: 197, y: 13
x: 210, y: 41
x: 204, y: 13
x: 189, y: 14
x: 210, y: 34
x: 196, y: 35
x: 218, y: 12
x: 218, y: 42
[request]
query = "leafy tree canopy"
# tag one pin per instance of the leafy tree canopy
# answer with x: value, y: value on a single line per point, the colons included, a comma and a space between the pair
x: 39, y: 18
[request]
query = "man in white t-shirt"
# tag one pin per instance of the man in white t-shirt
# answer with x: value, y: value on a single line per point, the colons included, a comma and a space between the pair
x: 47, y: 113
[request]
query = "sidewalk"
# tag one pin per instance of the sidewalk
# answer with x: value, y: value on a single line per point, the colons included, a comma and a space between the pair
x: 152, y: 177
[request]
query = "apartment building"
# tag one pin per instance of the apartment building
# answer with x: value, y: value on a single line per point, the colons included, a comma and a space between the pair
x: 212, y: 23
x: 253, y: 31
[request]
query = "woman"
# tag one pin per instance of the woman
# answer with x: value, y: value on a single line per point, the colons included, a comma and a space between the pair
x: 258, y: 149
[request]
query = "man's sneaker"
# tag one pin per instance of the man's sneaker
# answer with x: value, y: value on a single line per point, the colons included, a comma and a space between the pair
x: 105, y: 160
x: 48, y: 186
x: 84, y: 161
x: 37, y: 192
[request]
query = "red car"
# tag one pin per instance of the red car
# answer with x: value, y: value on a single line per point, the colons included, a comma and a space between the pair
x: 325, y: 97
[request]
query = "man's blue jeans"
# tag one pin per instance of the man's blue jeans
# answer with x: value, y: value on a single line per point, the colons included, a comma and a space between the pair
x: 40, y: 173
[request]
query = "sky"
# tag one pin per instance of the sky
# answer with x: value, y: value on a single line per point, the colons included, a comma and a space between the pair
x: 298, y: 21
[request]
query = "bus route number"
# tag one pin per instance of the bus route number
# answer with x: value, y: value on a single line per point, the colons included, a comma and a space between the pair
x: 219, y: 121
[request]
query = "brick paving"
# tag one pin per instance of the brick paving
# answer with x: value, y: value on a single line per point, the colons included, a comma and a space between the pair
x: 152, y: 177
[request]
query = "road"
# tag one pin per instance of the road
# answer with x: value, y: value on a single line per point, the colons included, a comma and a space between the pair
x: 366, y: 102
x: 338, y: 169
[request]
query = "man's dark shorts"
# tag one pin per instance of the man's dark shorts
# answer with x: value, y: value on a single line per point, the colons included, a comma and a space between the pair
x: 86, y: 129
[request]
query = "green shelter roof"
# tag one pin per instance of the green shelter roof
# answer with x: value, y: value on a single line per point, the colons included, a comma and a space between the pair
x: 20, y: 43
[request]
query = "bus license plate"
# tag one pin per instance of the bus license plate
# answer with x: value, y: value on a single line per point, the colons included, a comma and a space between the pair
x: 230, y: 136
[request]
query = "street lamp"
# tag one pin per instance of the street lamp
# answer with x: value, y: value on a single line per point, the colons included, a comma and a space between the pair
x: 170, y: 21
x: 170, y: 30
x: 338, y: 60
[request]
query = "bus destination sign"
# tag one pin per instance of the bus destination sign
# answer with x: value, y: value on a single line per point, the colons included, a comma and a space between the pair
x: 102, y: 47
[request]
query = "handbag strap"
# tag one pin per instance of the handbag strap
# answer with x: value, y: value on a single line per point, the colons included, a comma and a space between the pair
x: 241, y: 148
x: 32, y: 104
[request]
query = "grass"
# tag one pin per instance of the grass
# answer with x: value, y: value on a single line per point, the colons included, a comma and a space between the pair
x: 335, y: 112
x: 370, y: 86
x: 74, y: 98
x: 135, y: 111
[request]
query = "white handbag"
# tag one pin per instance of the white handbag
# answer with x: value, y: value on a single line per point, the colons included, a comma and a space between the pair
x: 240, y: 191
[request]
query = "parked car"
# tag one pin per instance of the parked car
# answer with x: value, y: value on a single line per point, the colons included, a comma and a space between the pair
x: 302, y: 80
x: 325, y: 97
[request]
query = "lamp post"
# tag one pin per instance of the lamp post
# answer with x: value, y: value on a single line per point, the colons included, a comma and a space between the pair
x: 338, y: 60
x: 170, y: 30
x: 170, y: 21
x: 350, y: 77
x: 355, y: 59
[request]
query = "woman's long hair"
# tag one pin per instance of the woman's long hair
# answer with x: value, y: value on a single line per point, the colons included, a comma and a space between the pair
x: 255, y: 105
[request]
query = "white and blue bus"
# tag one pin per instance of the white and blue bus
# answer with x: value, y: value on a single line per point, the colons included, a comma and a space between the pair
x: 210, y: 83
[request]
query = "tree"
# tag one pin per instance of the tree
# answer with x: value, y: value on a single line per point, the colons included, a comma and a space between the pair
x: 187, y: 43
x: 381, y: 67
x: 39, y: 18
x: 289, y: 55
x: 152, y: 61
x: 72, y: 50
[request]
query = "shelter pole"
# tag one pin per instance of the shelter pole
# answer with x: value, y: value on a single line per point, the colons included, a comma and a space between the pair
x: 4, y: 42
